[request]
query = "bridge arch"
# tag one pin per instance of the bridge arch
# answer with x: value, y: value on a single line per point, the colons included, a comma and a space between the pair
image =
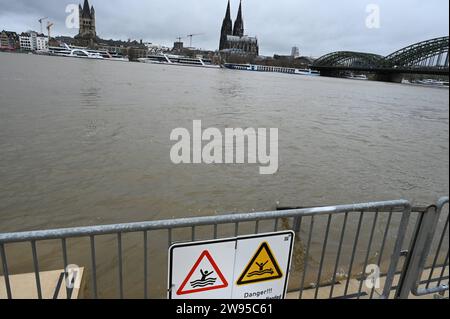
x: 430, y: 53
x: 349, y: 59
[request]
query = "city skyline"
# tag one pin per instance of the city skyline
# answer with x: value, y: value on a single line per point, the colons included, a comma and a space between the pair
x: 314, y: 27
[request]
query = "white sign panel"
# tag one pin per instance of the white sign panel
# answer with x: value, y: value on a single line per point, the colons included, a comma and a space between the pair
x: 250, y: 267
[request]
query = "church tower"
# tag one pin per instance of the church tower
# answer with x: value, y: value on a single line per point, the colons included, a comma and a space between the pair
x: 227, y: 28
x: 238, y: 29
x: 87, y: 20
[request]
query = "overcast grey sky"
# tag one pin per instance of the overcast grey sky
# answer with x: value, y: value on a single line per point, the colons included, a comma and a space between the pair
x: 315, y: 26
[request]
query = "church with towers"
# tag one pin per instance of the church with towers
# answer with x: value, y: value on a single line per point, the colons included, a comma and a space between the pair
x: 232, y: 37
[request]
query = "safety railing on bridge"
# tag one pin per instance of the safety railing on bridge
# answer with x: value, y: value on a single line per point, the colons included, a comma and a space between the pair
x: 338, y: 251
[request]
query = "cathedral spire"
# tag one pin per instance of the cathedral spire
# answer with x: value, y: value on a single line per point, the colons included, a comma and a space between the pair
x: 227, y: 28
x: 239, y: 23
x: 228, y: 13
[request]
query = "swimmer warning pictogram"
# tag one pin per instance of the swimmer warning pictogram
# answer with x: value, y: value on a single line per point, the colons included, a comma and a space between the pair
x: 205, y: 275
x: 262, y: 267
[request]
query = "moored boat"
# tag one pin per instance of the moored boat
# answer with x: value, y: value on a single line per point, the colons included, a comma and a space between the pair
x: 167, y: 59
x: 274, y: 69
x: 79, y: 52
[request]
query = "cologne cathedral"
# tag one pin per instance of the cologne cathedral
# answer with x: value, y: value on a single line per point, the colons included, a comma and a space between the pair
x: 232, y: 38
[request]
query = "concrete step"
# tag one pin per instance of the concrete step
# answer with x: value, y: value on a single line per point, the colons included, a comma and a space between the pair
x: 53, y: 286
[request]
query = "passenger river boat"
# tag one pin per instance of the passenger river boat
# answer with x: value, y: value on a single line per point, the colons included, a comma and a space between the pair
x: 167, y: 59
x: 84, y: 53
x: 266, y: 68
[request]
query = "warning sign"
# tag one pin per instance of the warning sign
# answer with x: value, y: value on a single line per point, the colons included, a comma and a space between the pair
x: 249, y: 267
x: 205, y: 275
x: 201, y: 270
x: 262, y: 267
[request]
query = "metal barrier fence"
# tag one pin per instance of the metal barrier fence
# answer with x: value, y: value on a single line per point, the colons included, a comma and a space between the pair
x: 419, y: 275
x: 334, y: 247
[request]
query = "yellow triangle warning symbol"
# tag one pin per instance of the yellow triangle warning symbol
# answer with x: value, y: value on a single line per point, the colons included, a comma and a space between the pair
x: 262, y: 267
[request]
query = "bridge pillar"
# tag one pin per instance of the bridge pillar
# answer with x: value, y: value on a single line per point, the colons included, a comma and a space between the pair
x: 388, y: 77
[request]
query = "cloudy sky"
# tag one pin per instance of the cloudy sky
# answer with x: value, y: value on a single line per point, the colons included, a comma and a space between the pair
x: 316, y: 26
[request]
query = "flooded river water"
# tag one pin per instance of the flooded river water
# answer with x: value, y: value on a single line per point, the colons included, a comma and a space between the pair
x: 87, y: 143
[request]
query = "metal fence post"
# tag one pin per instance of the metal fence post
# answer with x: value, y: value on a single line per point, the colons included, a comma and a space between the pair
x: 397, y: 251
x: 296, y: 225
x: 418, y: 252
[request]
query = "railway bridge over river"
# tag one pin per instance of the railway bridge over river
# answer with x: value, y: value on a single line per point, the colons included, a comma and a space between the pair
x: 428, y: 57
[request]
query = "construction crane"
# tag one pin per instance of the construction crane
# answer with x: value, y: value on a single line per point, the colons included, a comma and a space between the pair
x: 49, y: 26
x: 190, y: 36
x: 42, y: 20
x: 179, y: 39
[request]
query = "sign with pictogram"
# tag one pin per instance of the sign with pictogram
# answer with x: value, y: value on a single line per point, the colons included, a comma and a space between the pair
x: 262, y: 267
x: 205, y: 275
x: 247, y: 267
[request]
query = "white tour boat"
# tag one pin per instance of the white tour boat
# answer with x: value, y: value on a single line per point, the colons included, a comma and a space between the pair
x: 361, y: 77
x: 167, y: 59
x: 78, y: 52
x: 266, y: 68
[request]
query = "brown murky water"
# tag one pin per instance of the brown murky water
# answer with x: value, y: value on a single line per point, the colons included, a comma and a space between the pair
x: 87, y: 142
